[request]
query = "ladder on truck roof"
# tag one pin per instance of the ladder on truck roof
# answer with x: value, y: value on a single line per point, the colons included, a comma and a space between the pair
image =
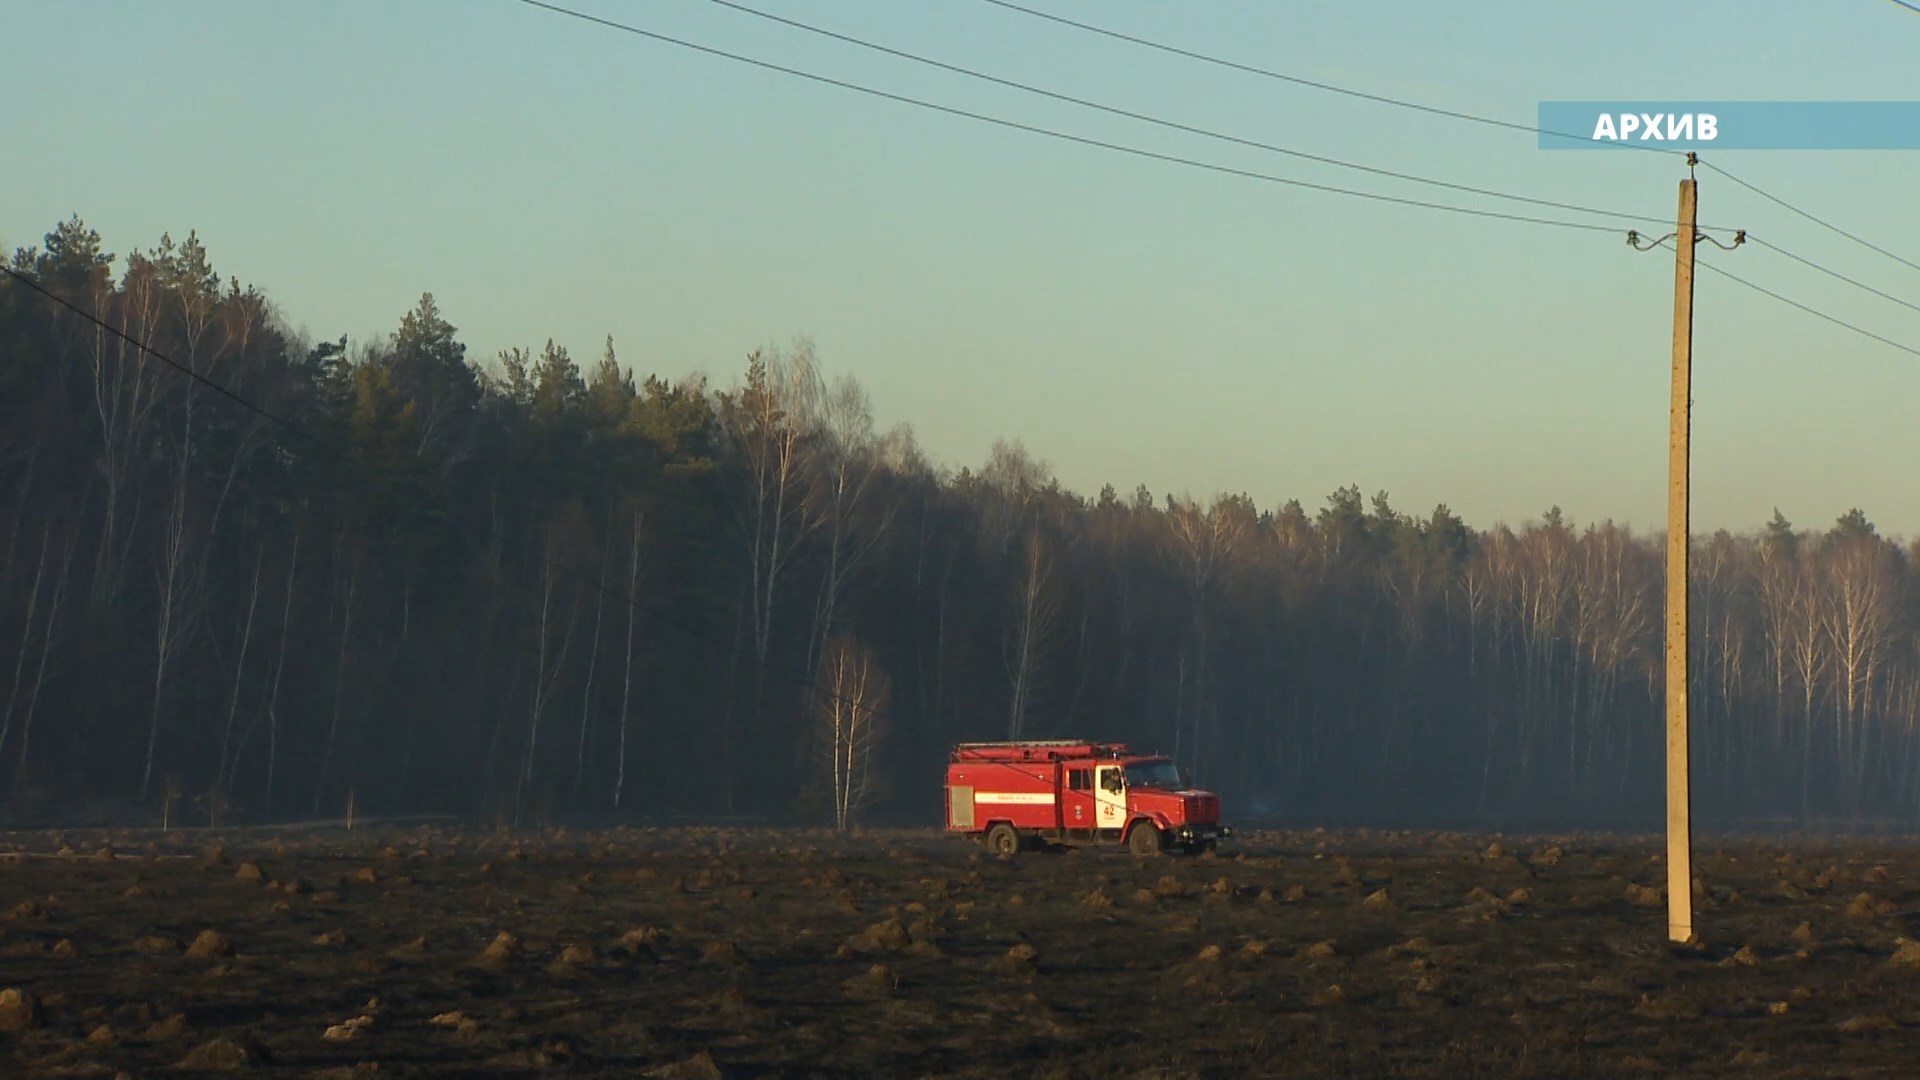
x: 1024, y: 742
x: 1036, y: 750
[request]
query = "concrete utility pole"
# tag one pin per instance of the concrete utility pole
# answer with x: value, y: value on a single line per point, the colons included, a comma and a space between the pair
x: 1679, y: 790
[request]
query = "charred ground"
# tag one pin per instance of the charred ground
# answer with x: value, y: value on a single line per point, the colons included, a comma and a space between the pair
x: 700, y: 952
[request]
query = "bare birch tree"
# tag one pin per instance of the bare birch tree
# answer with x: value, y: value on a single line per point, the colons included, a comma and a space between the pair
x: 23, y: 645
x: 1774, y: 591
x: 347, y: 561
x: 593, y: 662
x: 280, y: 668
x: 49, y: 627
x: 767, y: 420
x: 125, y: 390
x: 851, y: 710
x: 626, y: 682
x: 239, y: 670
x: 845, y: 470
x: 1857, y: 620
x: 547, y: 665
x: 175, y: 593
x: 1036, y: 604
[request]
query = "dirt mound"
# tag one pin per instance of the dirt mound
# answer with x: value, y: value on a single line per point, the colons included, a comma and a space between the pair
x: 1907, y: 954
x: 224, y: 1055
x: 210, y: 945
x: 700, y: 1066
x: 503, y: 949
x: 723, y: 953
x: 19, y: 1010
x: 888, y: 935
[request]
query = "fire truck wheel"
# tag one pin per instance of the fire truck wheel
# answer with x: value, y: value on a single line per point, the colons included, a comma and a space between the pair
x: 1144, y: 839
x: 1002, y: 840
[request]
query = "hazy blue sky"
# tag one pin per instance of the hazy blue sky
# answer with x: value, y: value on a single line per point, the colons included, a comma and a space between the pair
x: 1131, y: 321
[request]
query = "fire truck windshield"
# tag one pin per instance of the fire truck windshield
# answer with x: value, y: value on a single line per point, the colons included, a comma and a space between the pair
x: 1160, y: 774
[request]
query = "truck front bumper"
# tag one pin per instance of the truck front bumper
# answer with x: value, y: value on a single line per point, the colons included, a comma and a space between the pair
x: 1200, y: 834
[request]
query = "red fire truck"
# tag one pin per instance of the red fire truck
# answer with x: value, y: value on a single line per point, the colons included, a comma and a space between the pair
x: 1073, y: 791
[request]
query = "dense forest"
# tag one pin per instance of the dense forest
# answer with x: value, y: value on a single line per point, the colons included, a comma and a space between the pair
x: 534, y: 589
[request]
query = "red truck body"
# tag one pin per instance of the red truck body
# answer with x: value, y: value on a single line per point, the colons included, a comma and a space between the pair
x: 1075, y: 791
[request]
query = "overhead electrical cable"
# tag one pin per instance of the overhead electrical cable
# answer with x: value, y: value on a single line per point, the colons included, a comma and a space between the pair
x: 1175, y: 125
x: 1403, y: 103
x: 1823, y: 223
x: 1120, y: 148
x: 1817, y: 313
x: 1282, y: 76
x: 1170, y: 158
x: 1802, y: 260
x: 217, y: 388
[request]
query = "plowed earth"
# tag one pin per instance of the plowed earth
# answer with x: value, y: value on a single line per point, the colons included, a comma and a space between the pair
x: 722, y: 953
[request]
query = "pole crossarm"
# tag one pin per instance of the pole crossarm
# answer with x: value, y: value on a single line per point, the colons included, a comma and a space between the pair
x: 1633, y: 238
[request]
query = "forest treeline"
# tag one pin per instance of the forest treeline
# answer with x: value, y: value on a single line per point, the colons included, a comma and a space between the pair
x: 535, y: 589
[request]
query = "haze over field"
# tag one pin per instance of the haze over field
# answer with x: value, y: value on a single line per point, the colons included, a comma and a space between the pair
x: 534, y: 587
x: 1350, y: 505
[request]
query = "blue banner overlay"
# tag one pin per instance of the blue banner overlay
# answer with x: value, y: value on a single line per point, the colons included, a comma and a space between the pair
x: 1731, y: 125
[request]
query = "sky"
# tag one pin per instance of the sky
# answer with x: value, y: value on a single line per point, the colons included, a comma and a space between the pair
x: 1131, y: 321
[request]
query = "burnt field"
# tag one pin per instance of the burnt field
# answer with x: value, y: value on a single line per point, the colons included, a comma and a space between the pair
x: 705, y: 953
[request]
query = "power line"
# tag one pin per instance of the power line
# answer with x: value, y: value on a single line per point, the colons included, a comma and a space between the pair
x: 1282, y: 76
x: 1915, y: 8
x: 1817, y: 221
x: 1034, y: 129
x: 1430, y: 109
x: 1833, y: 273
x: 157, y: 355
x: 1173, y: 124
x: 1809, y: 310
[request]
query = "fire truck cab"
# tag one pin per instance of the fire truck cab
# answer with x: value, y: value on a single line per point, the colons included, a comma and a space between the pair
x: 1076, y: 792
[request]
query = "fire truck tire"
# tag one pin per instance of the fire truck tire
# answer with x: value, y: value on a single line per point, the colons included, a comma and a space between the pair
x: 1003, y: 840
x: 1144, y: 839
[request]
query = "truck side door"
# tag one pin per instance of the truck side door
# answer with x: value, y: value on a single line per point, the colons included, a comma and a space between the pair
x: 1110, y: 793
x: 1076, y: 804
